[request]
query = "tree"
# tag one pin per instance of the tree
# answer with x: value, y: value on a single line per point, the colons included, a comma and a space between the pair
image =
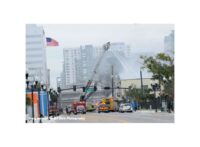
x: 162, y: 68
x: 135, y: 94
x: 123, y: 99
x: 54, y: 96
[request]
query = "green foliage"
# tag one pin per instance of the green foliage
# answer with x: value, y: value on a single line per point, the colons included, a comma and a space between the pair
x: 136, y: 94
x: 53, y: 95
x: 162, y: 68
x: 123, y: 99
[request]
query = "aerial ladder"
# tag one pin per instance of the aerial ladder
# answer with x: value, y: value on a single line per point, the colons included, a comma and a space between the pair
x: 87, y: 94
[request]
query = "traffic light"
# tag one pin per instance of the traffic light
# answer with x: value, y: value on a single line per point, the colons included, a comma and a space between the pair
x: 74, y: 87
x: 82, y: 97
x: 58, y: 89
x: 106, y: 88
x: 26, y: 75
x: 83, y: 89
x: 155, y: 87
x: 95, y: 88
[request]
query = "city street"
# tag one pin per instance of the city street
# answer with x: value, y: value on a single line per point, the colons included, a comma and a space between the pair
x: 115, y: 117
x: 102, y: 75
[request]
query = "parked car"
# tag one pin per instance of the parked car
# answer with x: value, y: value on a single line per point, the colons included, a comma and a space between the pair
x: 127, y: 107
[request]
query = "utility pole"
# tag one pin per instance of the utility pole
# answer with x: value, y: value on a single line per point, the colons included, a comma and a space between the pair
x: 112, y: 81
x: 142, y: 87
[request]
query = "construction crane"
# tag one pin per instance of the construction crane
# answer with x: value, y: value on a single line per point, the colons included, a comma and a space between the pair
x: 87, y: 94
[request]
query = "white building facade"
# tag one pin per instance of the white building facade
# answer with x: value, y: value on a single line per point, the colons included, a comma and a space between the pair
x: 136, y: 83
x: 69, y: 66
x: 35, y: 53
x: 169, y: 43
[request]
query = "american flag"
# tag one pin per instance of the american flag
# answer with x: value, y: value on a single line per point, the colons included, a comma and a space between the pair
x: 51, y: 42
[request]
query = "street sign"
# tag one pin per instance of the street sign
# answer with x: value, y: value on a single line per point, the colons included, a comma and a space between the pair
x: 89, y: 90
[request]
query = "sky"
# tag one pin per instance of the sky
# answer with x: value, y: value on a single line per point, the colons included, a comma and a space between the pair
x: 140, y: 37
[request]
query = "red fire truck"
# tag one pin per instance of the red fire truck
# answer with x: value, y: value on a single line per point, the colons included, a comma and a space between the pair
x: 77, y: 107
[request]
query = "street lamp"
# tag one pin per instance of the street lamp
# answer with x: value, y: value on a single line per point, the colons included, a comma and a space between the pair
x: 26, y: 76
x: 27, y: 83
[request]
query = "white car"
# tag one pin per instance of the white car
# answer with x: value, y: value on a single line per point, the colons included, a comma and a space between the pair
x: 127, y: 107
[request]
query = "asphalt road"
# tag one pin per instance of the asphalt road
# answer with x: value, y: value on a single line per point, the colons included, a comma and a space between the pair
x: 116, y: 117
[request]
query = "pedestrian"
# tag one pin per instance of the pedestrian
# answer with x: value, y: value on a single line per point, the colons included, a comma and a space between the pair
x: 169, y: 106
x: 172, y: 107
x: 135, y: 108
x: 135, y: 105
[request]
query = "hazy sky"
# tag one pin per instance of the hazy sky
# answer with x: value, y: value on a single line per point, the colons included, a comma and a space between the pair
x: 141, y: 38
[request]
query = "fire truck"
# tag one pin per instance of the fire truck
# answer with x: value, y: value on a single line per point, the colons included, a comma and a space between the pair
x: 76, y: 107
x: 107, y: 105
x: 79, y: 107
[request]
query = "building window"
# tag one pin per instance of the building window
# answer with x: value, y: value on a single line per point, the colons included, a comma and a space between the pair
x: 34, y: 42
x: 34, y: 62
x: 33, y: 36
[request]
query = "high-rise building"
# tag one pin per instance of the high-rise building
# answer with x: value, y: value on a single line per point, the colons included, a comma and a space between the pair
x: 97, y: 52
x: 85, y: 64
x: 169, y: 43
x: 121, y: 48
x: 79, y: 63
x: 69, y: 69
x: 63, y: 78
x: 48, y: 78
x: 59, y: 82
x: 35, y: 53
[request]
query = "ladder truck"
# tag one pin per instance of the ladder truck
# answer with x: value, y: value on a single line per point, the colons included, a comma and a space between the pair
x: 89, y: 83
x: 80, y: 107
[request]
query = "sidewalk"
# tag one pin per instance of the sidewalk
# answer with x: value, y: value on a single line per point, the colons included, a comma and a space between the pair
x: 153, y: 111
